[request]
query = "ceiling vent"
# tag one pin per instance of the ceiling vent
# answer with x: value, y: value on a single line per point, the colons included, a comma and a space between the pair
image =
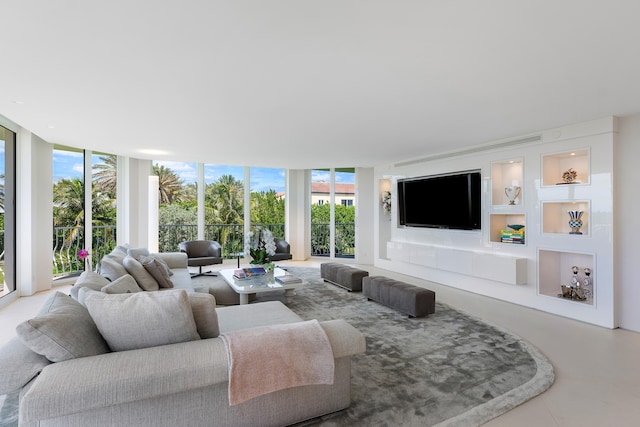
x: 472, y: 150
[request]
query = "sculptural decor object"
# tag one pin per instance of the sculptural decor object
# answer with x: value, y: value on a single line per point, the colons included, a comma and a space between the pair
x: 569, y: 177
x: 578, y: 291
x: 575, y: 223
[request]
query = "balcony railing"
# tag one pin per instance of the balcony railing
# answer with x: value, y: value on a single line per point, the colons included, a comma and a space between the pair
x: 344, y: 241
x: 68, y: 241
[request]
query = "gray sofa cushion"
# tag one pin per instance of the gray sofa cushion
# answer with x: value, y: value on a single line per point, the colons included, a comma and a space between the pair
x: 138, y: 253
x: 122, y: 285
x: 88, y: 279
x: 143, y: 277
x: 62, y: 330
x: 203, y: 307
x: 143, y: 319
x: 158, y: 270
x: 111, y: 268
x: 18, y: 365
x: 118, y: 253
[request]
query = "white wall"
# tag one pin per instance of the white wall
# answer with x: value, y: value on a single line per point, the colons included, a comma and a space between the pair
x: 627, y: 202
x: 596, y: 136
x: 365, y: 200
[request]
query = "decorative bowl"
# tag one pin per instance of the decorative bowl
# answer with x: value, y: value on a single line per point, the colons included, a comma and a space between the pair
x: 515, y: 226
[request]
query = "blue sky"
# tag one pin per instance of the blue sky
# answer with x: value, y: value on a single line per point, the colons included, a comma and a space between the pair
x: 68, y: 164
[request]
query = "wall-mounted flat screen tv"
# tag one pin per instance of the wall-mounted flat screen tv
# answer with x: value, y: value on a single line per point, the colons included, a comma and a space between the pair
x: 451, y: 201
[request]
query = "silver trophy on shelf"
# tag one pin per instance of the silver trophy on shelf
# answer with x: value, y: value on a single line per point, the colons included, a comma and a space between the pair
x: 512, y: 192
x: 588, y: 283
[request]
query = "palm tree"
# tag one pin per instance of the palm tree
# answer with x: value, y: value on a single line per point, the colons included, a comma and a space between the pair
x: 105, y: 174
x: 227, y: 199
x: 169, y: 184
x: 68, y: 202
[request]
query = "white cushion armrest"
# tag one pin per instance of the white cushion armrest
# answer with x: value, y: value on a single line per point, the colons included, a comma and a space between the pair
x: 174, y: 259
x: 345, y: 339
x: 114, y: 378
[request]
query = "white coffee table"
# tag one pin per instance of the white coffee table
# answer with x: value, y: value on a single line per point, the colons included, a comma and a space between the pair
x: 260, y: 284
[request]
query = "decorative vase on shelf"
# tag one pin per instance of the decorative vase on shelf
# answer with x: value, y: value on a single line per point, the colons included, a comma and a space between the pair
x: 575, y: 221
x: 512, y: 192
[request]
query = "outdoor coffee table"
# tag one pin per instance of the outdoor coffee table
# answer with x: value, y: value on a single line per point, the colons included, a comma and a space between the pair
x: 259, y: 284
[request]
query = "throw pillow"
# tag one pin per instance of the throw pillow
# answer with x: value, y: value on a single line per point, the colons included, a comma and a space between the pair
x: 122, y: 285
x: 117, y: 254
x: 158, y: 270
x: 111, y: 269
x: 203, y: 307
x: 62, y: 330
x: 138, y: 253
x: 163, y: 262
x: 18, y: 365
x: 143, y: 277
x: 143, y: 319
x: 122, y: 248
x: 90, y: 280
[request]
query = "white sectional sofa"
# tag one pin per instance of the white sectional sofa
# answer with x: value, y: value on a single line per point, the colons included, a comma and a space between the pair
x: 64, y: 364
x: 137, y: 263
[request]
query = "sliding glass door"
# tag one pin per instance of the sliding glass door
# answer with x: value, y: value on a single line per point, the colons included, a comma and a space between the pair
x: 333, y: 213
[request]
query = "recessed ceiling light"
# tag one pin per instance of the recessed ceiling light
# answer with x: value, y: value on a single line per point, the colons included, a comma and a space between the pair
x: 19, y: 102
x: 51, y: 127
x: 573, y: 154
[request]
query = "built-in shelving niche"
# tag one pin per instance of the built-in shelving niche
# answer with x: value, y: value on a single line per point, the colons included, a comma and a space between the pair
x: 555, y: 270
x: 556, y: 217
x: 504, y: 174
x: 501, y: 221
x: 555, y: 165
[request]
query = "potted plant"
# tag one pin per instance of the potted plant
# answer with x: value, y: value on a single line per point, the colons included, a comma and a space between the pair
x: 260, y: 245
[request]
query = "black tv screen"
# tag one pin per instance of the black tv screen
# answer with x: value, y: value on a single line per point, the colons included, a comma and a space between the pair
x: 450, y: 201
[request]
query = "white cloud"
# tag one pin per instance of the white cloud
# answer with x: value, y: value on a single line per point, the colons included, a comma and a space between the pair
x: 320, y: 176
x: 188, y: 172
x: 78, y: 167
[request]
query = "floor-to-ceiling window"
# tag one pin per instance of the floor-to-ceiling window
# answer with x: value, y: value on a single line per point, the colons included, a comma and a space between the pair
x: 224, y: 207
x: 223, y: 201
x: 75, y: 246
x: 7, y: 211
x: 333, y: 212
x: 104, y: 169
x: 268, y: 199
x: 68, y: 210
x: 321, y: 212
x: 345, y: 213
x: 178, y: 205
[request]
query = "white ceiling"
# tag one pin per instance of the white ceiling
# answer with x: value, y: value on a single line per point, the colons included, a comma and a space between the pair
x: 304, y: 84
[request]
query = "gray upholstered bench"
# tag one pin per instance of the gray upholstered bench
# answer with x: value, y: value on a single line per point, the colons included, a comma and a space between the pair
x: 408, y: 299
x: 342, y: 275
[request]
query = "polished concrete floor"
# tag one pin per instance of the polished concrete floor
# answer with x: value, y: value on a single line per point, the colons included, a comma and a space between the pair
x: 597, y: 369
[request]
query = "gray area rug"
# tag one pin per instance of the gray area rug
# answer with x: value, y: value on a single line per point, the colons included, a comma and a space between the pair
x: 447, y: 369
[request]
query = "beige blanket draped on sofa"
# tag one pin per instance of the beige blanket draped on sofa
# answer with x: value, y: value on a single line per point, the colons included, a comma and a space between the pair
x: 270, y: 358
